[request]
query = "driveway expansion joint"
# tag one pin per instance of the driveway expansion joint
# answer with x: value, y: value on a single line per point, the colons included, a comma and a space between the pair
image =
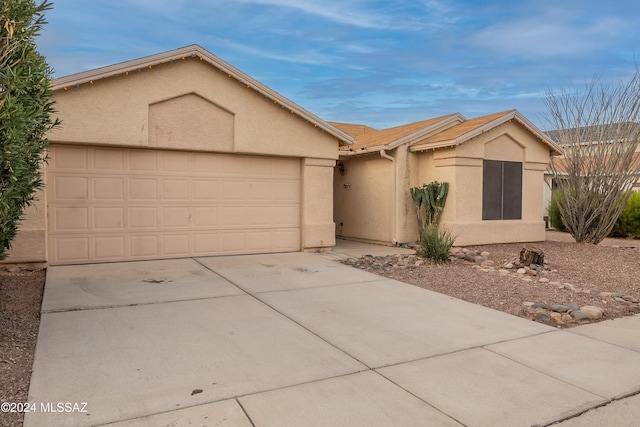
x: 592, y: 408
x: 254, y: 296
x: 380, y: 323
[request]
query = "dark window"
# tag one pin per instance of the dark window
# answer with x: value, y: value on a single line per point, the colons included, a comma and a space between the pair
x: 501, y: 190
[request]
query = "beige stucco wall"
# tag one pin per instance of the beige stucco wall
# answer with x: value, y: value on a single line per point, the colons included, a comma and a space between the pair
x: 439, y: 166
x: 462, y: 168
x: 318, y: 228
x: 190, y: 105
x: 192, y: 122
x: 363, y: 203
x: 115, y: 111
x: 29, y: 244
x: 366, y: 206
x: 406, y: 218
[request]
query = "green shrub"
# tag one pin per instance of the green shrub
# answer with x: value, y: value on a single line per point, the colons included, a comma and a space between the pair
x: 628, y: 223
x: 554, y: 212
x: 26, y: 108
x: 435, y: 243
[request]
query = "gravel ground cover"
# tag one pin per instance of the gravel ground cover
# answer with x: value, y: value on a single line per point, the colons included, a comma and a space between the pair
x: 604, y: 276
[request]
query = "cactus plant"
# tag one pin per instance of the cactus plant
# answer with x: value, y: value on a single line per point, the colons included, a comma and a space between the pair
x: 429, y: 200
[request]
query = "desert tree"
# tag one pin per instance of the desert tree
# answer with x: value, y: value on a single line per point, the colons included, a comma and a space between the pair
x: 26, y: 106
x: 597, y: 126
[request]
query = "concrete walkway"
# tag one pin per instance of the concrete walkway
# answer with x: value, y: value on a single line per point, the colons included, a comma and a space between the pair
x: 301, y: 340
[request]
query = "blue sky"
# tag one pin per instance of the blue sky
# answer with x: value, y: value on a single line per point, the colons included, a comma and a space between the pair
x: 379, y: 63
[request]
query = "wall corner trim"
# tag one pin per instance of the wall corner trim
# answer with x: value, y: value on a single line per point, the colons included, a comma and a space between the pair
x: 309, y: 161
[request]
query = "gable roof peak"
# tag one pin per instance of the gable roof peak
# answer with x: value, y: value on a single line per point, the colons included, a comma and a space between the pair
x: 196, y: 52
x: 472, y: 128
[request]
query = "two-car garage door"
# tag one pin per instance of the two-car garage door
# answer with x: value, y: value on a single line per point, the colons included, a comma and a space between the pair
x: 115, y: 204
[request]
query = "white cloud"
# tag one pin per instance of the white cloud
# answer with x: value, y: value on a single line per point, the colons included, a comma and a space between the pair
x: 552, y: 34
x: 379, y: 15
x: 308, y: 56
x: 342, y: 12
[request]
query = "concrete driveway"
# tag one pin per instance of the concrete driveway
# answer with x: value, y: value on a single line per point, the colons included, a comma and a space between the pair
x: 301, y: 340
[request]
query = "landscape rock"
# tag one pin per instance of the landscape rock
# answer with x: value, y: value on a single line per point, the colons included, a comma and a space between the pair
x: 566, y: 318
x: 595, y: 313
x: 556, y: 316
x: 559, y: 308
x: 580, y: 315
x: 542, y: 317
x: 556, y: 313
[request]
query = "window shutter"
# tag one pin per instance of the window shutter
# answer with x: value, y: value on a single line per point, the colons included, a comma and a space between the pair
x: 491, y: 189
x: 501, y: 190
x: 512, y: 190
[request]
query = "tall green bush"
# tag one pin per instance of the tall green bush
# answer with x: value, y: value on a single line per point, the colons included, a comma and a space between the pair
x: 26, y: 105
x: 628, y: 223
x: 555, y: 217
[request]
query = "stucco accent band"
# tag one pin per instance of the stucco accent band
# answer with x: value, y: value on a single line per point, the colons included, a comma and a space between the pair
x: 319, y: 162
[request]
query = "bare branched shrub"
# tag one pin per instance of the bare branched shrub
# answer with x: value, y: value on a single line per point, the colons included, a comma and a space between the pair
x: 599, y: 131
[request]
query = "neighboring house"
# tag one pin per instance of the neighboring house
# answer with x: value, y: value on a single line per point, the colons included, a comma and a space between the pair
x: 175, y: 155
x: 494, y: 166
x: 549, y: 181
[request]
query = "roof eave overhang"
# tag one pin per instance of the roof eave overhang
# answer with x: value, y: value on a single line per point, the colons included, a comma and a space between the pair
x: 408, y: 139
x: 434, y: 145
x: 511, y: 115
x: 194, y: 51
x: 367, y: 150
x: 556, y: 149
x: 428, y: 131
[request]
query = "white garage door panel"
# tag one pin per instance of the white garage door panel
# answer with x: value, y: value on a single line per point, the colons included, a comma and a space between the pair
x: 113, y: 204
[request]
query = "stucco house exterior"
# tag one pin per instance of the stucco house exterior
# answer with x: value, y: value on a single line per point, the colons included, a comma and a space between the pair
x: 179, y: 154
x: 494, y: 165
